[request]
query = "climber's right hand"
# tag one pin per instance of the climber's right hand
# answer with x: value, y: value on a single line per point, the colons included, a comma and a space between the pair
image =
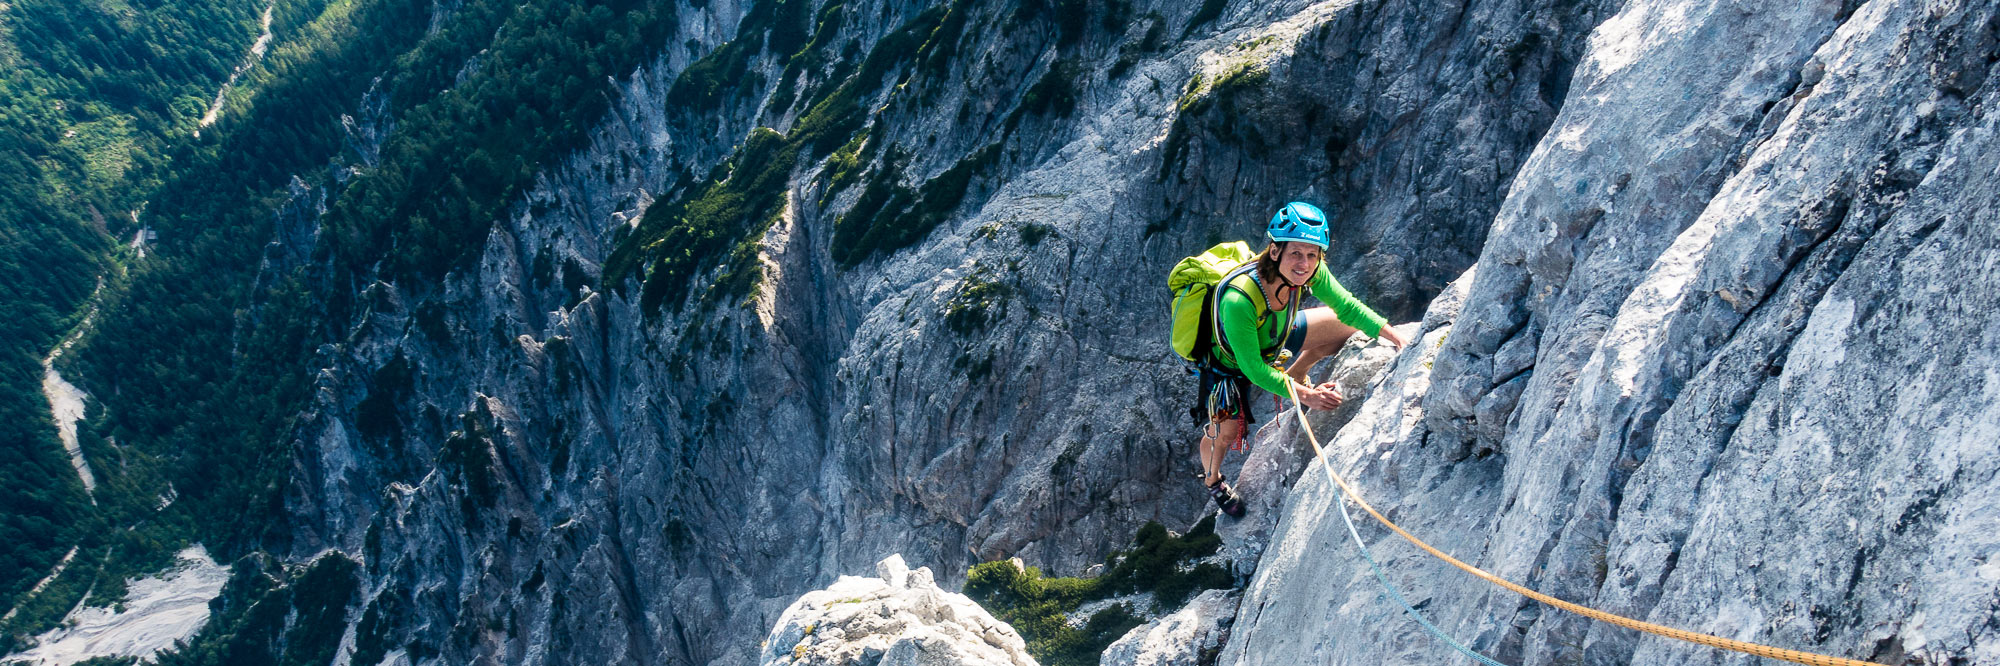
x: 1323, y: 396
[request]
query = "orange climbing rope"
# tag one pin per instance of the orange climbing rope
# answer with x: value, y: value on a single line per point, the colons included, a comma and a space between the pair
x: 1766, y: 651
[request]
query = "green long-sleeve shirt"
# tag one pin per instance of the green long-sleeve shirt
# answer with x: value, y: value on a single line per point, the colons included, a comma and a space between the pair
x: 1251, y: 327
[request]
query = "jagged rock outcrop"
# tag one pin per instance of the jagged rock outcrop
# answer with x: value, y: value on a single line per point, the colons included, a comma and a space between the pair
x: 899, y: 618
x: 1190, y: 636
x: 1725, y: 365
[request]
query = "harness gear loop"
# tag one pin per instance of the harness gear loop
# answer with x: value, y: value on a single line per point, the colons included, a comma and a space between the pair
x: 1766, y: 651
x: 1213, y: 431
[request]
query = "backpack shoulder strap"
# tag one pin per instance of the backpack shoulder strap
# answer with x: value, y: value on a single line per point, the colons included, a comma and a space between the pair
x: 1229, y: 281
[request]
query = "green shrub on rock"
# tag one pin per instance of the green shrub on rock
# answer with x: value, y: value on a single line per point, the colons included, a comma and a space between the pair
x: 1039, y: 607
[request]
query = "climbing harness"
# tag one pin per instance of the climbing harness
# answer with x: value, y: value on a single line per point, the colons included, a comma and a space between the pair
x: 1765, y: 651
x: 1223, y: 401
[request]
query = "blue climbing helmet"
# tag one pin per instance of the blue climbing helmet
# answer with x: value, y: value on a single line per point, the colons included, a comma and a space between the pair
x: 1298, y: 222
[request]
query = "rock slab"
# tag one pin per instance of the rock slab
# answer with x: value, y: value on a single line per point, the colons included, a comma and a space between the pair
x: 1191, y: 636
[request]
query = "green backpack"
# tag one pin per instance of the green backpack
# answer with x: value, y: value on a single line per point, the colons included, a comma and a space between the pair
x: 1192, y: 282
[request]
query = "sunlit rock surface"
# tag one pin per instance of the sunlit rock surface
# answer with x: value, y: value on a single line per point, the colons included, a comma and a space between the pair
x: 1726, y: 365
x: 899, y: 618
x: 1190, y: 636
x: 568, y: 479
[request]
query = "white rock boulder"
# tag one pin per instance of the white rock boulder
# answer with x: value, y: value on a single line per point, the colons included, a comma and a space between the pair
x: 900, y: 618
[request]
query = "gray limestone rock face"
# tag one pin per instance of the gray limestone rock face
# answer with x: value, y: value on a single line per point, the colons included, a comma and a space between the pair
x: 1726, y: 361
x: 538, y: 470
x: 899, y: 618
x: 1308, y: 552
x: 1725, y: 366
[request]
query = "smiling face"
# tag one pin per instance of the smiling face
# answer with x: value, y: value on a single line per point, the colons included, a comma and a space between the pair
x: 1297, y: 261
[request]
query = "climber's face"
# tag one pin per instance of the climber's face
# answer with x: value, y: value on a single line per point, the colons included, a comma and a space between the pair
x: 1298, y: 261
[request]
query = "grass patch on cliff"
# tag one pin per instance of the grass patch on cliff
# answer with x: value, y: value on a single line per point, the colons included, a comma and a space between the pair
x: 1202, y: 94
x: 833, y: 117
x: 1056, y: 93
x: 724, y: 220
x: 979, y: 301
x: 810, y: 57
x: 496, y: 91
x: 889, y: 216
x: 724, y: 75
x: 844, y: 165
x: 1038, y: 607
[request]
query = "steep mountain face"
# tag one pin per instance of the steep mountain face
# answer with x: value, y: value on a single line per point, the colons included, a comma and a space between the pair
x: 948, y: 346
x: 832, y: 281
x: 1723, y: 365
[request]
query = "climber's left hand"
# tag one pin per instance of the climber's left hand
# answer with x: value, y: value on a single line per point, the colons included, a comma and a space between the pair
x: 1390, y: 336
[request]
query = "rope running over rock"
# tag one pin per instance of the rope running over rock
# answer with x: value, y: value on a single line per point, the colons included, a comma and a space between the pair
x: 1765, y: 651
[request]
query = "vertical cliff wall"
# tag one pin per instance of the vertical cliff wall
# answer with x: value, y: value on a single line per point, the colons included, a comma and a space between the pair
x: 1722, y: 366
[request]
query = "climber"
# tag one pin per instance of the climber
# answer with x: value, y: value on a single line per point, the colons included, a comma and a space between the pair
x: 1250, y: 343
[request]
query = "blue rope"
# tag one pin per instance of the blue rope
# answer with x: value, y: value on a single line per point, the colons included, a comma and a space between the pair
x: 1376, y: 568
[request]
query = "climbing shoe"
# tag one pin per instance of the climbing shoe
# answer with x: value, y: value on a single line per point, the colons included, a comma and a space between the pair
x: 1226, y: 498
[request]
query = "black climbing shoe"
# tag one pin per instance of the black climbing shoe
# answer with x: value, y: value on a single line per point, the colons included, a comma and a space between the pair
x: 1226, y: 498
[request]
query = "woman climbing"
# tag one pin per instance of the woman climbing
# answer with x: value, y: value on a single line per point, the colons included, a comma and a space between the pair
x: 1250, y: 342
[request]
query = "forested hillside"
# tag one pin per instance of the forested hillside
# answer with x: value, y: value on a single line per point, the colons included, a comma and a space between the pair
x: 94, y: 98
x: 199, y: 357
